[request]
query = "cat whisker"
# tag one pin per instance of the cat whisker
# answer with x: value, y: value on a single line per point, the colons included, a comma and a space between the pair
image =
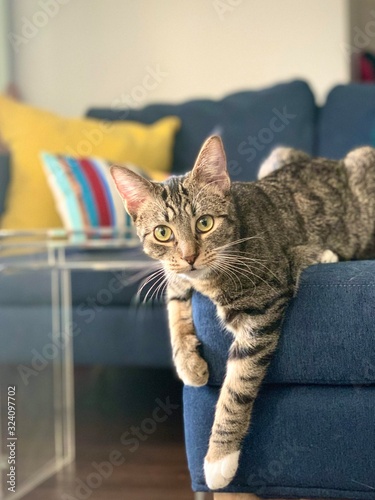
x: 249, y: 271
x: 238, y: 267
x: 228, y: 271
x: 237, y: 242
x: 134, y: 278
x: 237, y: 272
x: 158, y: 292
x: 222, y: 270
x: 246, y: 254
x: 217, y: 272
x: 252, y: 273
x: 159, y: 281
x: 150, y: 278
x: 249, y: 262
x: 241, y: 255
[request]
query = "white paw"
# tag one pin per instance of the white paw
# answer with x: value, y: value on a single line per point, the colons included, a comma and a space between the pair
x: 328, y: 256
x: 273, y: 161
x: 220, y: 473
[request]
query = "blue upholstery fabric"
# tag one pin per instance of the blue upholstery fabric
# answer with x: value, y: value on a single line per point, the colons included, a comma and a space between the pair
x: 305, y: 441
x: 330, y: 321
x: 313, y: 432
x: 111, y: 328
x: 347, y: 120
x: 235, y: 118
x: 124, y: 336
x: 114, y: 335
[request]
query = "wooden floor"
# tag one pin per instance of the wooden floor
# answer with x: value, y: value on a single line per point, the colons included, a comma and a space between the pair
x: 109, y: 403
x: 113, y: 405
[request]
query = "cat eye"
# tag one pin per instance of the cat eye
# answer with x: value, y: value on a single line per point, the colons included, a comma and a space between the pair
x: 163, y: 233
x: 205, y: 223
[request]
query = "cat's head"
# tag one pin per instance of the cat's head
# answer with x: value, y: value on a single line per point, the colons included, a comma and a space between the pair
x: 184, y: 220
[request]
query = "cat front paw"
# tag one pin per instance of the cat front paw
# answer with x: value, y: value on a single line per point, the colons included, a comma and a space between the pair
x: 219, y: 473
x: 192, y: 369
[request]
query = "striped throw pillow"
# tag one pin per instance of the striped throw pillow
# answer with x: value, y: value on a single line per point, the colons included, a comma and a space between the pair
x: 85, y: 195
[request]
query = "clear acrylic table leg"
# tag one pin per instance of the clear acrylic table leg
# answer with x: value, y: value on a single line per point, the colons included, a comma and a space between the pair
x: 62, y: 332
x: 36, y: 337
x: 199, y: 495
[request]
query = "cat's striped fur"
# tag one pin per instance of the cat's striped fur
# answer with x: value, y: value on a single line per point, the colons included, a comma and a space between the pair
x: 264, y: 234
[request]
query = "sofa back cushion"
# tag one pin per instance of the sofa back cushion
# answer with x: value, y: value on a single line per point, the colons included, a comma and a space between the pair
x: 347, y: 120
x: 251, y: 124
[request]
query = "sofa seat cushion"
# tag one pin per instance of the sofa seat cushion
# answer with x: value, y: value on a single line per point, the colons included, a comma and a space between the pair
x: 328, y: 335
x: 123, y: 336
x: 109, y: 325
x: 110, y: 335
x: 347, y: 120
x: 251, y: 124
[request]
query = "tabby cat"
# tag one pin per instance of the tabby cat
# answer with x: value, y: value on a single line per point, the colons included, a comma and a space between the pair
x: 244, y: 245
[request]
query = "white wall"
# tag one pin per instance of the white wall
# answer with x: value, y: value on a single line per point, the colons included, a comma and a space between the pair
x: 96, y: 52
x: 4, y: 46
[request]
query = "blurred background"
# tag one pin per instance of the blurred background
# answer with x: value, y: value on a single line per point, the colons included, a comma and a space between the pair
x: 67, y: 56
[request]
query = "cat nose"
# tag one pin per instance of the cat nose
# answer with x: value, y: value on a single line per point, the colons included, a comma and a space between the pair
x: 190, y: 259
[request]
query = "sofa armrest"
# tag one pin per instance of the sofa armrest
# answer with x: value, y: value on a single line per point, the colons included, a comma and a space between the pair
x: 327, y: 336
x: 310, y: 434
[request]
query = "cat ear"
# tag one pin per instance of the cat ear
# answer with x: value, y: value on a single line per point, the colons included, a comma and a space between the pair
x: 133, y: 188
x: 211, y: 165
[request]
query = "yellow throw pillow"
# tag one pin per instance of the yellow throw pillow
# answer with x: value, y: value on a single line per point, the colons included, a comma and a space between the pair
x: 27, y: 131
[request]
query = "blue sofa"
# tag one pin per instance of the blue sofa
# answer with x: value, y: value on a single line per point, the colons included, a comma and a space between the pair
x: 123, y: 333
x: 313, y: 432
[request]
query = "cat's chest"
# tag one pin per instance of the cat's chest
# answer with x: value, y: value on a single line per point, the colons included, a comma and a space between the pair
x: 220, y: 295
x: 204, y: 287
x: 209, y: 289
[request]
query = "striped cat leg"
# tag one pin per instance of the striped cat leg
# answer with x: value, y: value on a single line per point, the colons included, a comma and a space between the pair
x: 190, y: 366
x: 255, y: 340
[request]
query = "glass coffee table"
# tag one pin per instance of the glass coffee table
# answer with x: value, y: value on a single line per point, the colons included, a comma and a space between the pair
x: 36, y: 345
